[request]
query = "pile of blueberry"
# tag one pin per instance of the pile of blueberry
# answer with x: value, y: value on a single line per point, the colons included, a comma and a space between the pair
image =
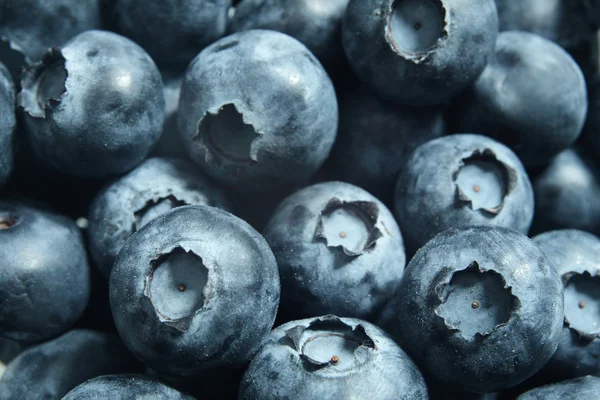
x: 299, y: 199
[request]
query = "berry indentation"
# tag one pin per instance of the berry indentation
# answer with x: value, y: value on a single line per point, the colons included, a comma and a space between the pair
x: 582, y: 303
x: 176, y: 285
x: 227, y: 136
x: 329, y: 343
x: 154, y: 208
x: 349, y: 226
x: 484, y: 181
x: 416, y: 26
x: 475, y: 301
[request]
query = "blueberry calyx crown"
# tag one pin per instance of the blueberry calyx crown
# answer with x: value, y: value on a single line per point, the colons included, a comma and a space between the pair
x: 155, y: 207
x: 475, y: 302
x: 43, y: 84
x: 178, y: 287
x: 328, y: 342
x: 228, y: 137
x: 415, y: 28
x: 582, y: 304
x: 484, y: 182
x: 349, y: 226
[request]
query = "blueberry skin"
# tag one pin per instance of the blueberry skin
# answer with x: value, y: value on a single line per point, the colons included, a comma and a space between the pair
x: 37, y: 25
x: 495, y: 359
x: 584, y: 388
x: 429, y: 78
x: 128, y: 203
x: 315, y: 23
x: 50, y: 370
x: 124, y: 387
x: 428, y: 200
x: 376, y: 138
x: 566, y: 194
x: 274, y: 127
x: 531, y: 96
x: 8, y: 124
x: 282, y: 369
x: 108, y: 113
x: 241, y: 293
x: 573, y: 252
x: 191, y: 25
x: 45, y: 278
x: 320, y: 275
x: 563, y: 22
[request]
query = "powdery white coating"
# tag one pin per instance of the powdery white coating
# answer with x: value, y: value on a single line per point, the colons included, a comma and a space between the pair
x: 45, y: 277
x: 573, y: 253
x: 279, y: 88
x: 241, y: 294
x: 8, y: 123
x: 427, y: 201
x: 532, y: 96
x: 585, y: 388
x: 317, y: 276
x: 380, y: 370
x: 125, y: 387
x: 511, y: 352
x: 117, y: 211
x: 111, y: 113
x: 427, y: 78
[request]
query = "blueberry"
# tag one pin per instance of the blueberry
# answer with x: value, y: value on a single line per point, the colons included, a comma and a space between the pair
x: 585, y: 388
x: 7, y: 124
x: 315, y: 23
x: 172, y: 32
x: 257, y: 111
x: 339, y: 250
x: 575, y: 256
x: 44, y: 279
x: 531, y: 96
x: 194, y: 289
x: 50, y: 370
x: 124, y: 387
x: 419, y: 52
x: 376, y: 138
x: 37, y: 25
x: 94, y: 107
x: 479, y: 307
x: 567, y: 193
x: 461, y: 180
x: 563, y: 22
x: 331, y: 358
x: 130, y: 202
